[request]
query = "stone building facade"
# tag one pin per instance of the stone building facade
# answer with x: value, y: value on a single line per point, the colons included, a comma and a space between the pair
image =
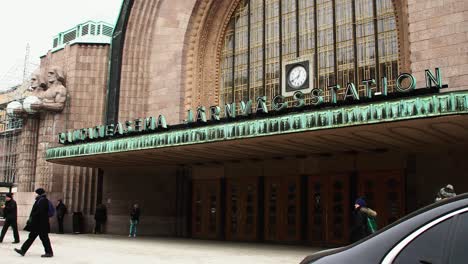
x: 172, y: 58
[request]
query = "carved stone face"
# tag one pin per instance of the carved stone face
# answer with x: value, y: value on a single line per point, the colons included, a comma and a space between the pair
x: 51, y: 77
x: 35, y: 83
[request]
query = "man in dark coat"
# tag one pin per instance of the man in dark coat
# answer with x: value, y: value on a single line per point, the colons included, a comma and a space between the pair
x: 38, y: 225
x: 101, y: 217
x: 10, y: 212
x: 61, y: 210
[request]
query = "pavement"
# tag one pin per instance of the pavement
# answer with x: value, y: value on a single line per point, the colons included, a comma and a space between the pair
x: 102, y: 249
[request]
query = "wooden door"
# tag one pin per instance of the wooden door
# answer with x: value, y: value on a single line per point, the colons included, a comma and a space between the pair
x: 273, y: 209
x: 206, y: 209
x: 328, y: 209
x: 282, y: 209
x: 384, y: 193
x: 338, y: 209
x: 317, y: 197
x: 242, y: 209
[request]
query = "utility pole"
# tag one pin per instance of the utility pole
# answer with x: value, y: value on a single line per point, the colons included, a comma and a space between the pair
x: 26, y: 63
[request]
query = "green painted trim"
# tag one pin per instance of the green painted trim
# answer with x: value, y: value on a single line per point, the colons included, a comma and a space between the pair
x: 88, y: 38
x: 453, y: 103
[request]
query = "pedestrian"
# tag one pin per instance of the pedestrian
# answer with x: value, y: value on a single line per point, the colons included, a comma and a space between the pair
x: 100, y: 216
x: 61, y: 210
x: 10, y: 213
x: 445, y: 192
x: 38, y: 224
x: 361, y: 213
x: 134, y: 220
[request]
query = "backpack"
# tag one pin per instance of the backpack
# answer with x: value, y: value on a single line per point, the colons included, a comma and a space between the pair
x: 51, y: 211
x: 371, y: 224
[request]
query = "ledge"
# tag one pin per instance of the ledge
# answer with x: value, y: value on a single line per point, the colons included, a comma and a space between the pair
x: 454, y: 103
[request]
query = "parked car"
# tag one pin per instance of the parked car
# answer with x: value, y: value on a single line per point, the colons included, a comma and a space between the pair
x: 436, y: 234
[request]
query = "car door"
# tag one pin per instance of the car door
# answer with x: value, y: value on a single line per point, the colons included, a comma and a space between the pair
x: 458, y: 251
x: 434, y: 242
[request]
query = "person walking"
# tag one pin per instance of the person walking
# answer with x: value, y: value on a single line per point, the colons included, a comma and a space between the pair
x: 360, y: 229
x: 38, y: 224
x: 61, y: 210
x: 100, y: 216
x: 10, y: 212
x: 134, y: 220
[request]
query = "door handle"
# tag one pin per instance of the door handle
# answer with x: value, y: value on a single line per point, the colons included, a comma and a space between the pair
x: 422, y: 261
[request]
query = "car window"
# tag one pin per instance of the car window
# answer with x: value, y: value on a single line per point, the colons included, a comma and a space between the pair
x: 427, y: 248
x: 459, y: 253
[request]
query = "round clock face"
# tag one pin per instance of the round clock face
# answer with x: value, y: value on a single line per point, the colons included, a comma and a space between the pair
x: 297, y: 76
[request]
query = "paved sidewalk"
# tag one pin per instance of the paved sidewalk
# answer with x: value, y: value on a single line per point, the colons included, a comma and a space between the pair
x: 102, y: 249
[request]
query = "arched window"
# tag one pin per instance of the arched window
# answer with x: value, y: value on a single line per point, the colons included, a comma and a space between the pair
x: 347, y: 40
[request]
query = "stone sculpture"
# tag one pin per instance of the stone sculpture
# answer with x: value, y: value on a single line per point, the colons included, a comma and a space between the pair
x: 54, y: 97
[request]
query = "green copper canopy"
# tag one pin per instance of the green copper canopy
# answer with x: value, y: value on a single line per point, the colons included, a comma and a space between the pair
x: 453, y: 103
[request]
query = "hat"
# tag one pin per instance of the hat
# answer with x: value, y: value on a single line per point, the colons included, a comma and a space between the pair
x: 9, y: 195
x: 40, y: 191
x: 361, y: 202
x: 449, y: 186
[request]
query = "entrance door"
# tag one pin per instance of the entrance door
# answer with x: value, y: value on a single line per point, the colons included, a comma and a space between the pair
x: 282, y: 209
x: 384, y: 192
x: 242, y: 209
x: 329, y: 209
x: 206, y: 209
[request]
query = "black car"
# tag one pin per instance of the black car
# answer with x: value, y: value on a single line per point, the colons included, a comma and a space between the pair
x: 436, y: 234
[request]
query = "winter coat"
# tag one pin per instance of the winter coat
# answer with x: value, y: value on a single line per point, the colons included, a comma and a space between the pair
x: 61, y: 210
x: 39, y: 218
x: 135, y: 214
x: 101, y: 214
x: 10, y: 212
x: 359, y: 228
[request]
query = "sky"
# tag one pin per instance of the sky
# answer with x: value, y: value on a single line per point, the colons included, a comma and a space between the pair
x: 36, y: 22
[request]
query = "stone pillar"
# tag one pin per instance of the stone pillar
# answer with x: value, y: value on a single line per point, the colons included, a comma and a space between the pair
x: 27, y: 154
x: 48, y: 176
x: 25, y: 201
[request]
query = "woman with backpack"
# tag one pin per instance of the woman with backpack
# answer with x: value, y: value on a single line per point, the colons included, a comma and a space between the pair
x: 38, y: 224
x: 361, y: 216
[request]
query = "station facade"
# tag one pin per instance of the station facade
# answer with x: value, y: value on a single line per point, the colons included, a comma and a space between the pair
x: 258, y: 120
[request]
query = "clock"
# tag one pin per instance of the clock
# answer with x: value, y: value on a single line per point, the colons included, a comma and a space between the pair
x: 297, y: 76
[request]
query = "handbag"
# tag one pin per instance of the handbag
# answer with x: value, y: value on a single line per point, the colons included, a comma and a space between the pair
x: 371, y: 224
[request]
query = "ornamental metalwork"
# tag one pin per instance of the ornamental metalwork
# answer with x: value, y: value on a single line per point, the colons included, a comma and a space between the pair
x: 371, y: 113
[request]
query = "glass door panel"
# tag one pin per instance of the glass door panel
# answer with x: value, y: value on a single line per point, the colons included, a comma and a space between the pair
x: 272, y: 207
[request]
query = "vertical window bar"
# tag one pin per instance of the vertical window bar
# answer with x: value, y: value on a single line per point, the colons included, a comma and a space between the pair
x: 355, y: 44
x: 248, y: 48
x: 376, y: 37
x: 316, y: 71
x: 264, y: 48
x: 280, y: 8
x: 233, y: 60
x: 335, y: 59
x: 297, y: 30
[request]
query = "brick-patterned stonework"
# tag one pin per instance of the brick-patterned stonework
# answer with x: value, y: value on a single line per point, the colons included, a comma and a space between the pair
x: 27, y: 154
x: 438, y: 35
x: 86, y: 70
x: 151, y: 81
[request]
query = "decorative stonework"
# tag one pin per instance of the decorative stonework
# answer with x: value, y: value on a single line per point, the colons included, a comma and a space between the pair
x: 204, y: 40
x: 373, y: 113
x: 401, y: 15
